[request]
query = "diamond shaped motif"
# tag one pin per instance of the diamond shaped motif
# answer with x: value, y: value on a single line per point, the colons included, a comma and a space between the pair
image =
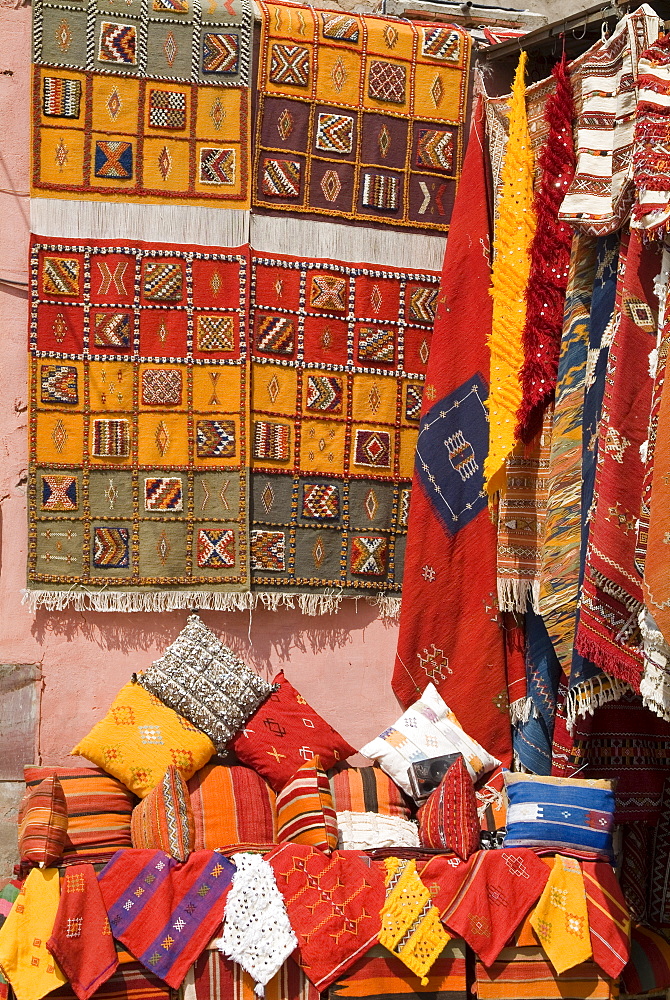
x: 376, y: 298
x: 423, y: 351
x: 170, y: 48
x: 217, y: 113
x: 384, y: 141
x: 63, y: 36
x: 164, y: 162
x: 114, y: 104
x: 330, y: 185
x: 285, y: 124
x: 371, y: 505
x: 318, y: 552
x: 374, y: 399
x: 338, y: 75
x: 162, y: 437
x: 268, y: 498
x: 273, y: 388
x: 390, y: 35
x: 59, y: 435
x: 437, y: 91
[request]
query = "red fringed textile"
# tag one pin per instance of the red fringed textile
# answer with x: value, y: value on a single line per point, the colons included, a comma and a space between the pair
x: 449, y: 623
x: 81, y: 941
x: 612, y: 597
x: 609, y: 922
x: 549, y: 261
x: 485, y: 899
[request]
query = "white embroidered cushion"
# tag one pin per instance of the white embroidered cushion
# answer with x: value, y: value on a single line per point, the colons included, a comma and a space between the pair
x: 363, y: 831
x: 427, y: 729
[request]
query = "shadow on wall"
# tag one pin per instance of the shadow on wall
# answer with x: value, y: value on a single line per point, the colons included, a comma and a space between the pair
x: 262, y: 638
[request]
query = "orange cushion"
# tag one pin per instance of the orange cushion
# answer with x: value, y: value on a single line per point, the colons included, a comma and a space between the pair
x: 305, y: 813
x: 164, y: 819
x: 231, y: 805
x: 98, y: 809
x: 43, y: 824
x: 368, y: 789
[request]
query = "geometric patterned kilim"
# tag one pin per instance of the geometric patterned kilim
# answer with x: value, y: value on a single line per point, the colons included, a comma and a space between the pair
x: 339, y: 360
x: 359, y: 118
x: 138, y: 419
x: 178, y: 40
x: 161, y: 377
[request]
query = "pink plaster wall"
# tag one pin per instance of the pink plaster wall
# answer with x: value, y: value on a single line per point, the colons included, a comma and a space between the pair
x: 341, y: 663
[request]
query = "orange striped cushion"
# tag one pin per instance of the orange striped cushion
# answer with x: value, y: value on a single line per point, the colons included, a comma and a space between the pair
x: 368, y: 789
x: 43, y: 826
x: 305, y: 813
x: 164, y: 819
x: 231, y: 805
x: 98, y: 808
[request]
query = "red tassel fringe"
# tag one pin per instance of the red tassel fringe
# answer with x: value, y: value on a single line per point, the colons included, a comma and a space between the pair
x: 549, y: 261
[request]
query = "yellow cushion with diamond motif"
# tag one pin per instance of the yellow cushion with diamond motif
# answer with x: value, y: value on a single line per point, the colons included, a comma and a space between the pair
x: 140, y: 738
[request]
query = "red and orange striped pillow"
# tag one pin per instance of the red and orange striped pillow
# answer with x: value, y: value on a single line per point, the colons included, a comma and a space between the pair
x: 43, y: 823
x: 368, y: 790
x: 98, y: 808
x: 164, y: 819
x: 305, y: 812
x: 231, y: 805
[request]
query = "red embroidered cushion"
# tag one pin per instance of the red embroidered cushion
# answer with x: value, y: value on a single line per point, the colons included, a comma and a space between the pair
x: 164, y: 819
x: 285, y: 732
x: 231, y: 805
x: 43, y: 824
x: 305, y: 813
x: 448, y: 818
x: 368, y: 790
x: 98, y: 808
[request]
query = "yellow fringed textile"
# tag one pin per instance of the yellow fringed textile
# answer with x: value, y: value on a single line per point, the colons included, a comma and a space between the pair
x: 411, y: 926
x: 30, y: 968
x: 509, y: 278
x: 561, y: 919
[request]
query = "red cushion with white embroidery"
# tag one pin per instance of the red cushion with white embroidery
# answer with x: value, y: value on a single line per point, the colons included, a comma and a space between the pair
x: 448, y: 819
x: 284, y: 733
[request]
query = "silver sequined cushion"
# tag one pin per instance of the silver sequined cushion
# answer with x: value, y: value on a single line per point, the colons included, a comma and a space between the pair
x: 206, y: 682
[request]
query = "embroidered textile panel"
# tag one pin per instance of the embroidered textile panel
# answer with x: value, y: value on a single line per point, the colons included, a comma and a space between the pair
x: 339, y: 359
x: 359, y: 117
x: 100, y: 137
x: 138, y: 426
x: 168, y: 39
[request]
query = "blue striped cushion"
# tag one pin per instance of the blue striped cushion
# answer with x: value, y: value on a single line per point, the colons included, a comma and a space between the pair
x: 565, y: 814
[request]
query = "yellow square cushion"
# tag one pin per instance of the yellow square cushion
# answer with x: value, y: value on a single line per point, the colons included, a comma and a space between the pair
x: 140, y: 738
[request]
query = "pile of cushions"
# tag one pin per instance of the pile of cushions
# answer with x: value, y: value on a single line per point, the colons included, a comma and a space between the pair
x: 283, y: 777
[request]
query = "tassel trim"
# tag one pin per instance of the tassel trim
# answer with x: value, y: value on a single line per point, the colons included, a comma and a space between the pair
x: 586, y: 697
x: 521, y: 710
x: 617, y: 669
x: 109, y: 601
x: 514, y: 594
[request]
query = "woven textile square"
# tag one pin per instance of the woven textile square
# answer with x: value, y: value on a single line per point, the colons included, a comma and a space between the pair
x: 333, y: 401
x: 185, y: 40
x: 139, y: 429
x: 359, y: 117
x: 98, y: 137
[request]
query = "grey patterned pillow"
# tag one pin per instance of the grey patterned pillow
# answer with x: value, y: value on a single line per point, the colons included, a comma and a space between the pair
x: 206, y: 682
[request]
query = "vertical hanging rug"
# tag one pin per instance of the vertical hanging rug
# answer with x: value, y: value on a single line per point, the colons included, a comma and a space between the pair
x: 212, y: 427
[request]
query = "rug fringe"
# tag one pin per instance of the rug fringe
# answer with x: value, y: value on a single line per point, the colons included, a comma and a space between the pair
x: 351, y: 244
x: 521, y: 710
x: 586, y: 697
x: 655, y: 683
x: 514, y: 594
x: 108, y: 220
x: 611, y: 665
x: 311, y: 605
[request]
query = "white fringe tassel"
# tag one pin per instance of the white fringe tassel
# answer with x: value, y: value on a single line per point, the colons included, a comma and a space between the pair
x: 596, y: 695
x: 105, y: 600
x: 521, y: 710
x: 351, y: 244
x: 109, y: 220
x: 513, y: 595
